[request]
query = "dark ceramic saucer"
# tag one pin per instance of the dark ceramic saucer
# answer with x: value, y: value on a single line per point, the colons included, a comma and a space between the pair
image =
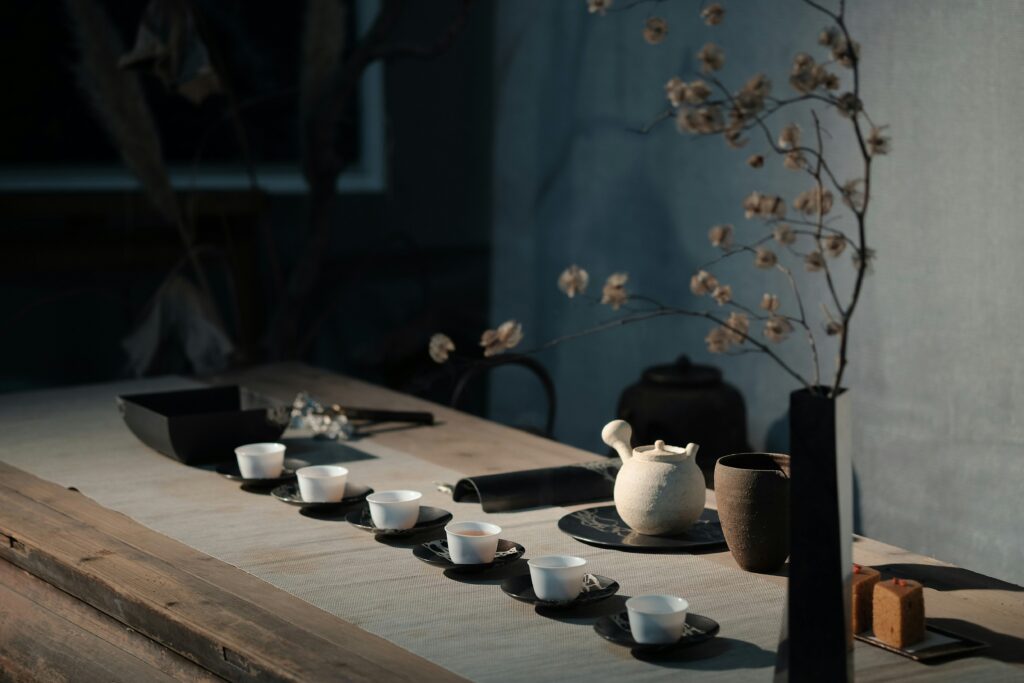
x: 602, y: 526
x: 230, y: 470
x: 595, y: 588
x: 430, y: 518
x: 615, y: 628
x: 436, y: 553
x: 289, y: 493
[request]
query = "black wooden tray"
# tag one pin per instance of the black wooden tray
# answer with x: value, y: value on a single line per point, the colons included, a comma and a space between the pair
x: 938, y: 643
x: 602, y: 526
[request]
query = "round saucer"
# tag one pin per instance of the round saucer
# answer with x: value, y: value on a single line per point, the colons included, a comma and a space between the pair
x: 230, y: 471
x: 289, y: 493
x: 595, y: 588
x: 696, y: 629
x: 430, y: 518
x: 603, y: 527
x: 436, y: 553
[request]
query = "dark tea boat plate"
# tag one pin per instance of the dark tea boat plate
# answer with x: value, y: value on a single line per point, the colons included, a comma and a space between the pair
x: 615, y: 628
x: 289, y: 493
x: 430, y: 518
x: 938, y: 643
x: 436, y: 553
x: 229, y: 470
x: 602, y: 526
x: 595, y: 589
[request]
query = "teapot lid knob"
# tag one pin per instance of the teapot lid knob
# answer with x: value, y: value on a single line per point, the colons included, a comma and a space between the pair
x: 659, y: 445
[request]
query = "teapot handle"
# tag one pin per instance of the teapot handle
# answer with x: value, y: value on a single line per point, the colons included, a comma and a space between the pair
x: 618, y: 434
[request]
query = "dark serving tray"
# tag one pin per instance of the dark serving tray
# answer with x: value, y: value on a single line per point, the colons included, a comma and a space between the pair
x: 203, y: 426
x: 602, y: 526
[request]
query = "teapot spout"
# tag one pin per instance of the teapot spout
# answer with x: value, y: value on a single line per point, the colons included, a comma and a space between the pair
x: 691, y: 449
x: 618, y: 434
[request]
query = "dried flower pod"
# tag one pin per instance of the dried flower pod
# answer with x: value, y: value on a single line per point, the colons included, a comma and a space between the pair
x: 697, y: 92
x: 769, y: 302
x: 734, y: 138
x: 713, y: 14
x: 832, y: 328
x: 705, y: 120
x: 599, y: 7
x: 765, y: 206
x: 755, y: 161
x: 736, y: 327
x: 711, y: 58
x: 777, y: 328
x: 784, y: 234
x: 794, y: 160
x: 765, y: 258
x: 703, y: 283
x: 866, y: 259
x: 853, y: 195
x: 655, y: 30
x: 718, y: 340
x: 789, y: 136
x: 814, y: 200
x: 877, y: 142
x: 573, y: 281
x: 505, y: 337
x: 828, y: 36
x: 849, y: 105
x: 439, y: 347
x: 834, y: 244
x: 675, y: 91
x: 614, y: 292
x: 814, y: 262
x: 845, y: 52
x: 721, y: 236
x: 722, y: 294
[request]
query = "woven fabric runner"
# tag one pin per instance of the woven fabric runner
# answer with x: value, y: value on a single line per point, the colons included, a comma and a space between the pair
x: 468, y: 626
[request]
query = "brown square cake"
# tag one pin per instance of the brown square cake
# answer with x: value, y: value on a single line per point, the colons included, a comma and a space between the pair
x: 864, y: 580
x: 898, y: 607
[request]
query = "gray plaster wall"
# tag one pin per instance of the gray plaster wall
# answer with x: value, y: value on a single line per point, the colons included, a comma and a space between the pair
x: 936, y: 370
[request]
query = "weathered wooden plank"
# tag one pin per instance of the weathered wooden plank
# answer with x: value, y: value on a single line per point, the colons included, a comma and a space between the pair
x: 236, y: 636
x: 47, y: 635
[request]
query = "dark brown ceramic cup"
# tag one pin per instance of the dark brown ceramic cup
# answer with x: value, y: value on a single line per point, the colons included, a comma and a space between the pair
x: 752, y: 491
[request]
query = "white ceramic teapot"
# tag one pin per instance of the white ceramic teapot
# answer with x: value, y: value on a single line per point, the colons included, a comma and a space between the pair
x: 660, y: 489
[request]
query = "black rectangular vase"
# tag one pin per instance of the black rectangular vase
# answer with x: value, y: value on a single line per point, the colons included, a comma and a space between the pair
x: 817, y: 644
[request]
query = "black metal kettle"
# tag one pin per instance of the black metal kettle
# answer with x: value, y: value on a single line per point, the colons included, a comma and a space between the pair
x: 683, y: 402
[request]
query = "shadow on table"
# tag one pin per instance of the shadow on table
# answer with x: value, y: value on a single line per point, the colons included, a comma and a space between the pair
x: 1005, y: 648
x: 943, y: 578
x: 493, y: 577
x: 717, y: 654
x: 323, y: 451
x: 413, y: 540
x: 364, y: 431
x: 585, y: 614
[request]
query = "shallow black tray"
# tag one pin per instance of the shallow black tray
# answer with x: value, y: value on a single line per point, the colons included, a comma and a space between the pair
x: 436, y: 553
x: 430, y: 518
x: 290, y: 493
x: 602, y: 526
x: 203, y: 426
x: 595, y: 589
x: 615, y: 628
x: 938, y: 644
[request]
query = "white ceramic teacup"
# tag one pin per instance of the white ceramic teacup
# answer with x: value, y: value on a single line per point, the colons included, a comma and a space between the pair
x: 472, y: 542
x: 557, y: 577
x: 656, y: 618
x: 394, y: 509
x: 260, y: 460
x: 322, y: 483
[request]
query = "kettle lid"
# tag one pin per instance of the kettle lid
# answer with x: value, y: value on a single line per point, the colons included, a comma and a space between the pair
x: 683, y: 373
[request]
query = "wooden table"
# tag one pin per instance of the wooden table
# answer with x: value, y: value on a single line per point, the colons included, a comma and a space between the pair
x: 77, y: 574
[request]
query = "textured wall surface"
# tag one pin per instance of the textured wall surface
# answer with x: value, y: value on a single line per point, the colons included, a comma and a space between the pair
x: 934, y: 368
